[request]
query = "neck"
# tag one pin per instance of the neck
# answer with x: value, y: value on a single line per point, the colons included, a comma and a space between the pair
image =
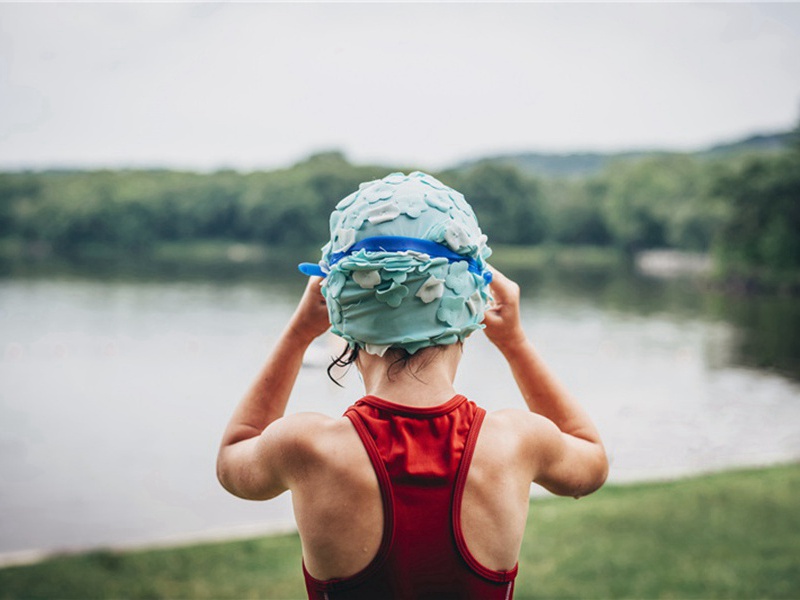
x: 427, y: 379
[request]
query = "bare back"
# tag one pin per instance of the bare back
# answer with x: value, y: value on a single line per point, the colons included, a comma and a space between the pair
x: 338, y: 507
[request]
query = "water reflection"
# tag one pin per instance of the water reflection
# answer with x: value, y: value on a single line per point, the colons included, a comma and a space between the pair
x: 115, y: 386
x: 765, y: 325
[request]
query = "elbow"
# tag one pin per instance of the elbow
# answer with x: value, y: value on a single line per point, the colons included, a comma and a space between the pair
x: 603, y: 470
x: 228, y: 480
x: 226, y: 474
x: 596, y: 476
x: 580, y: 480
x: 243, y: 481
x: 223, y: 474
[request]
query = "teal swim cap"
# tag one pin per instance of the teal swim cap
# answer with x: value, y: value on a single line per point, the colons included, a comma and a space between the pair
x: 405, y: 266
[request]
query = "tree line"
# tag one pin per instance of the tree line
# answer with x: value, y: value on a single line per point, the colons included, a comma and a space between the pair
x: 745, y: 209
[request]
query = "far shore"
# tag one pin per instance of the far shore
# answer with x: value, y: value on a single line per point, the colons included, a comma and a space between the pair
x: 226, y: 259
x: 213, y: 254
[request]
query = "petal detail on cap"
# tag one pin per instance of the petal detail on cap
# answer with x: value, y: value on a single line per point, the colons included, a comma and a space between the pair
x: 347, y: 201
x: 334, y: 283
x: 458, y: 277
x: 432, y: 289
x: 456, y: 237
x: 393, y: 296
x: 437, y: 200
x: 474, y: 303
x: 367, y: 279
x: 450, y: 310
x: 382, y: 213
x: 335, y: 310
x: 343, y: 239
x: 377, y: 349
x: 379, y: 191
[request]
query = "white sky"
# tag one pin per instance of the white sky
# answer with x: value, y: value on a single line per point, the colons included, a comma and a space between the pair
x: 262, y: 85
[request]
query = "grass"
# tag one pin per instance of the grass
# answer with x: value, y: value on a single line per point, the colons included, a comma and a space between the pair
x: 729, y: 535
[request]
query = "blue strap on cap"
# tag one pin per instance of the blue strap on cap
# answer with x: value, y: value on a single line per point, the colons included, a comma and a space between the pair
x: 311, y: 269
x: 391, y: 243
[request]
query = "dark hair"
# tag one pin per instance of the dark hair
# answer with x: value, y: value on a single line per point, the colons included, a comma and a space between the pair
x: 344, y: 360
x: 403, y: 359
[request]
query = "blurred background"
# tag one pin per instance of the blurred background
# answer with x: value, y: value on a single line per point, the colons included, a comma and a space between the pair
x: 164, y: 167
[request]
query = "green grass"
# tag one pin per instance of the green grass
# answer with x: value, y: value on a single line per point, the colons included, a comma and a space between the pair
x: 732, y: 535
x: 729, y: 535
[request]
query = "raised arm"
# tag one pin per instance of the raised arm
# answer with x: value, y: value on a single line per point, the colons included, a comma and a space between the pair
x: 249, y: 457
x: 566, y: 453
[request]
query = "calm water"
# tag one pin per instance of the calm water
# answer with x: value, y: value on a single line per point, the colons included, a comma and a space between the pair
x: 114, y: 394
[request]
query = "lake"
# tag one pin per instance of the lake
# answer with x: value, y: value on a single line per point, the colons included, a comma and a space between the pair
x: 114, y: 392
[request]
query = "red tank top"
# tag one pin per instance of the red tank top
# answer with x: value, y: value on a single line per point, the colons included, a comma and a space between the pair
x: 421, y: 457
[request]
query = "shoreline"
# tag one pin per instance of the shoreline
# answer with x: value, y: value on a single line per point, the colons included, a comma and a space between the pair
x: 223, y: 535
x: 728, y: 535
x: 19, y: 558
x: 230, y: 259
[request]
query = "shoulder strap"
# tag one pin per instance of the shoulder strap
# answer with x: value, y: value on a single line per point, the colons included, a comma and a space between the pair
x: 386, y: 496
x: 458, y: 496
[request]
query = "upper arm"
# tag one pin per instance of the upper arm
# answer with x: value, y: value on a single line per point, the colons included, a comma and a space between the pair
x: 263, y: 466
x: 564, y: 464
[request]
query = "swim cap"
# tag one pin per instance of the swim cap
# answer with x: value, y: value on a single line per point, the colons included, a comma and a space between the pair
x: 405, y: 266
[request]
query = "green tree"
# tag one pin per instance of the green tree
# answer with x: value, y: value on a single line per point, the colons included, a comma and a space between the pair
x: 660, y: 201
x: 508, y: 206
x: 762, y: 230
x: 575, y: 212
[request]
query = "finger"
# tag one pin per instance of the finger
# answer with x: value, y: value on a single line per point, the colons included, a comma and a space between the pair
x: 314, y: 286
x: 500, y: 286
x: 505, y: 285
x: 493, y: 314
x: 500, y: 278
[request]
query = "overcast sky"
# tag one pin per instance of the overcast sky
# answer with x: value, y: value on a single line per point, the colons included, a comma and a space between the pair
x: 262, y: 85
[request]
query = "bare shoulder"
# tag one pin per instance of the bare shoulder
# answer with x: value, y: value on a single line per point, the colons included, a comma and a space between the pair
x: 564, y: 464
x: 522, y: 424
x: 289, y: 450
x: 305, y: 432
x: 513, y: 433
x: 298, y: 423
x: 534, y: 439
x: 305, y: 440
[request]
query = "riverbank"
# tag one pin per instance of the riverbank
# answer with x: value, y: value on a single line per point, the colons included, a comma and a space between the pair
x: 229, y: 259
x: 727, y: 535
x: 230, y: 253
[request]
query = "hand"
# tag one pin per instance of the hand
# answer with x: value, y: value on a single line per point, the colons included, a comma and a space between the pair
x: 310, y: 319
x: 503, y: 326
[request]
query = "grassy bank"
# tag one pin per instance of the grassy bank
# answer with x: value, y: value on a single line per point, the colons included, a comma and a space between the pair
x: 730, y: 535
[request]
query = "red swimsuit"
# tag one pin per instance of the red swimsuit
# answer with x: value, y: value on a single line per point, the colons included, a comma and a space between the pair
x: 421, y: 457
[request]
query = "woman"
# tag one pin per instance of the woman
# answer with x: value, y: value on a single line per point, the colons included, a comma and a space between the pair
x: 416, y: 492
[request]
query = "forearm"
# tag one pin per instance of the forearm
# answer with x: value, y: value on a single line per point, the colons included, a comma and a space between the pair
x: 566, y: 453
x: 543, y: 393
x: 268, y: 396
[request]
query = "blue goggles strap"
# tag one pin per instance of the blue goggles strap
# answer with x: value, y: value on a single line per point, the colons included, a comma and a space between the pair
x: 391, y: 243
